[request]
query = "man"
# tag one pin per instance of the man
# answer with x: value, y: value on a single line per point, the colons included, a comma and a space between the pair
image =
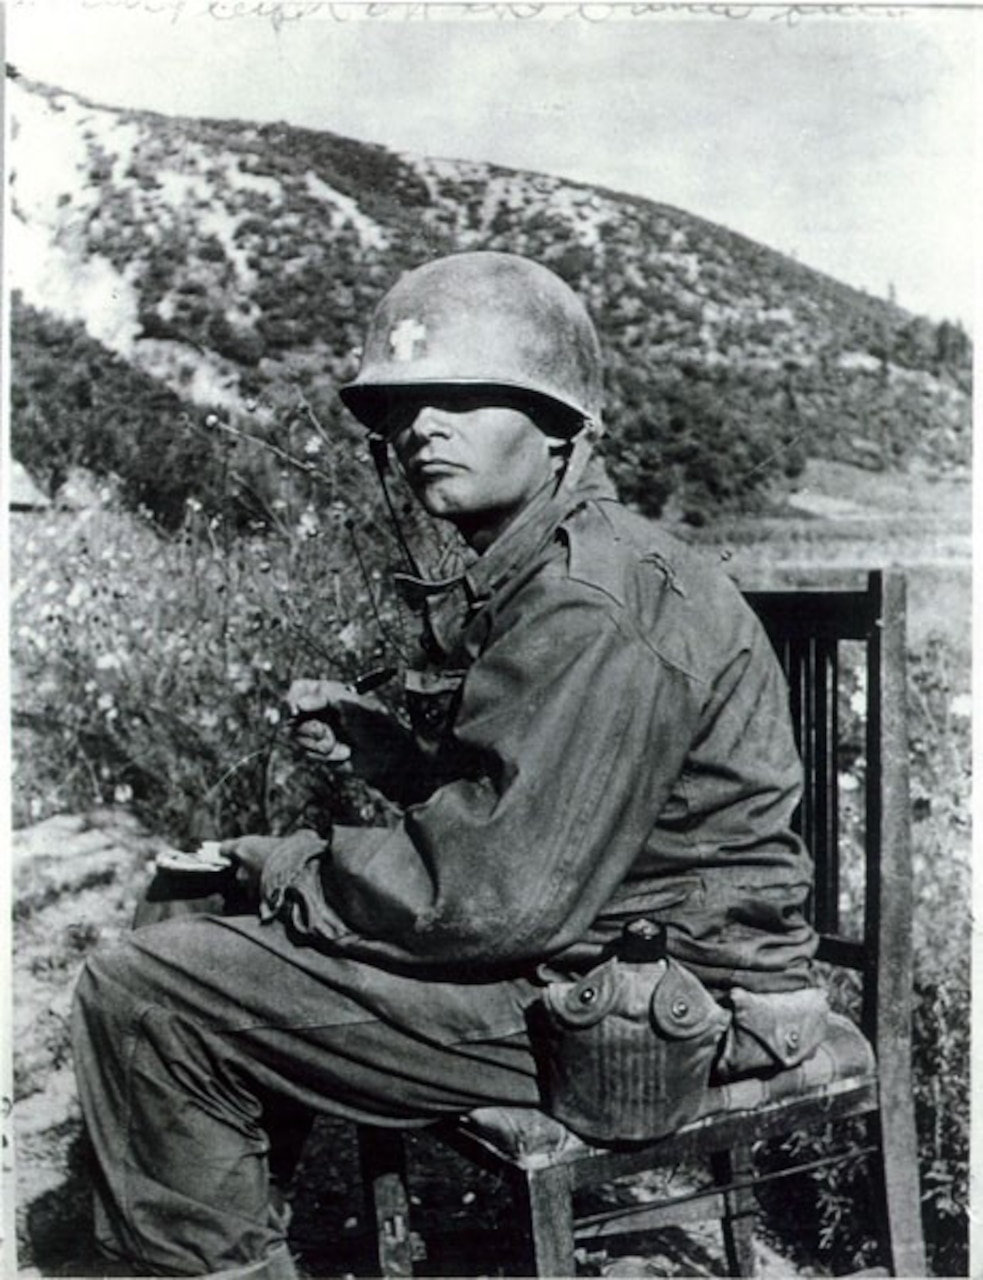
x: 597, y: 783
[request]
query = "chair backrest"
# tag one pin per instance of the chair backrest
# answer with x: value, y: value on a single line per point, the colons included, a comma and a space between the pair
x: 813, y: 632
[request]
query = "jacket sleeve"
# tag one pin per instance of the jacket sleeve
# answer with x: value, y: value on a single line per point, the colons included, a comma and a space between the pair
x: 574, y: 731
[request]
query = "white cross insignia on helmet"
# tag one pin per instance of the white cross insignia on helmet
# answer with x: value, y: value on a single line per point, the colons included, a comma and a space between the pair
x: 405, y: 336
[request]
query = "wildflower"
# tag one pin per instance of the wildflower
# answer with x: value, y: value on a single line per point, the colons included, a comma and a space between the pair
x: 122, y: 793
x: 108, y: 662
x: 76, y: 596
x: 313, y: 446
x: 348, y: 636
x: 307, y: 525
x: 271, y: 715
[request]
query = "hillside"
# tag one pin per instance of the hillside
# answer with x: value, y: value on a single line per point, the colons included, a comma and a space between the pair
x: 164, y: 269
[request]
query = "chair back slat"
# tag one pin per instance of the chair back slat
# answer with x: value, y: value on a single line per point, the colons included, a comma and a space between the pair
x: 889, y: 884
x: 811, y: 666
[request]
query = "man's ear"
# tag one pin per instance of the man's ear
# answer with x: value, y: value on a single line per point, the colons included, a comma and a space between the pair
x: 591, y: 430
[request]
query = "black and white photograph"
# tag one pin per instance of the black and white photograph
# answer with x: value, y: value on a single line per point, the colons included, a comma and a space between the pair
x: 488, y: 515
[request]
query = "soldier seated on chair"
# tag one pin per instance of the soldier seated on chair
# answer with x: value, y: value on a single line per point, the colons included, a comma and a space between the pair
x: 592, y: 901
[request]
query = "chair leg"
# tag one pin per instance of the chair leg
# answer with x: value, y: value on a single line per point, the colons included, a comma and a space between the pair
x: 894, y: 1130
x: 740, y: 1203
x: 383, y: 1162
x: 543, y: 1203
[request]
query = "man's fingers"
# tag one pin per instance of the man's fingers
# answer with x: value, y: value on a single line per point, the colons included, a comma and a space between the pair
x: 307, y: 697
x: 317, y: 738
x: 247, y: 848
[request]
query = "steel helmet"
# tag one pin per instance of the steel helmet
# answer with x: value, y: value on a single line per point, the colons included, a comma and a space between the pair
x: 482, y: 319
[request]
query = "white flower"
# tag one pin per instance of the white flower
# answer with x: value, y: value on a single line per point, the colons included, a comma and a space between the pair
x: 271, y: 715
x: 348, y: 636
x: 108, y: 662
x: 313, y: 446
x: 122, y: 793
x: 308, y: 525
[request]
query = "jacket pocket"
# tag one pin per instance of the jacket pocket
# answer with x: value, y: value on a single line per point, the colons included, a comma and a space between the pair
x: 772, y: 1031
x: 627, y: 1049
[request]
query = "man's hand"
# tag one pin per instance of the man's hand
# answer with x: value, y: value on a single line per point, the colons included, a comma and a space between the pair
x: 350, y: 731
x: 317, y: 716
x: 250, y: 854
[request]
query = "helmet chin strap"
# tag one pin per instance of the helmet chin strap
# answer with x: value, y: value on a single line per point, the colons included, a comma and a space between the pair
x: 578, y: 451
x: 379, y: 451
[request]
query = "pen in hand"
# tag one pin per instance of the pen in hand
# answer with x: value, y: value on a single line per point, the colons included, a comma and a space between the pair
x: 373, y: 679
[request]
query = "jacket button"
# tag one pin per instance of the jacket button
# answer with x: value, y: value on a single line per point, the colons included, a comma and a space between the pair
x: 679, y: 1008
x: 587, y: 996
x: 792, y: 1039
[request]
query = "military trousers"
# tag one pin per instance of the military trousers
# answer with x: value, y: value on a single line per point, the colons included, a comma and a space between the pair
x: 205, y: 1042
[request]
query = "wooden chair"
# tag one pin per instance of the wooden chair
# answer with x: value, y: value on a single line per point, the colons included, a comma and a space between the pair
x: 546, y: 1164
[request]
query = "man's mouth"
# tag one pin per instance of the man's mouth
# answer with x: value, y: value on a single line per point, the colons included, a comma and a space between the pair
x: 423, y: 467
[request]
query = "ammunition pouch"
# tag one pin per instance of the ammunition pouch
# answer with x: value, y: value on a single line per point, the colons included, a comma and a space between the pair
x: 771, y: 1031
x: 628, y: 1048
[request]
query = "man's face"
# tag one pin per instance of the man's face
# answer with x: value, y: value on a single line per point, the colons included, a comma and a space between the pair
x: 471, y: 459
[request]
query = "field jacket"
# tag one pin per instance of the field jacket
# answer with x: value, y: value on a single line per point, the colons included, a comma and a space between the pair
x: 603, y: 736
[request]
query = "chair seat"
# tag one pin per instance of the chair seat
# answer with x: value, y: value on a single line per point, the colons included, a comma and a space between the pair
x: 530, y: 1139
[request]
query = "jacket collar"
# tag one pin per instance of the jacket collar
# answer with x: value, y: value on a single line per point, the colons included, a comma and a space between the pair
x: 532, y: 529
x: 444, y: 602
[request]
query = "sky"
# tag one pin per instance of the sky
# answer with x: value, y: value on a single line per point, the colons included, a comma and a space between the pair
x: 846, y: 139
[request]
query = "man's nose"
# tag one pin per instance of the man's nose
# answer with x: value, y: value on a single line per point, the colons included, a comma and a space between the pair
x: 428, y: 422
